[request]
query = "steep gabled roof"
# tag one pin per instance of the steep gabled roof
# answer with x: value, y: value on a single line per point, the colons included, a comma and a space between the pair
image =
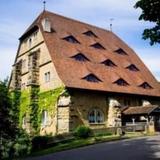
x: 71, y: 72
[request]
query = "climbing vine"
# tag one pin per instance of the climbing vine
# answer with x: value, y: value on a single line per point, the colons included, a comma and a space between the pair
x: 32, y: 102
x: 47, y: 101
x: 34, y: 97
x: 15, y: 98
x: 24, y: 105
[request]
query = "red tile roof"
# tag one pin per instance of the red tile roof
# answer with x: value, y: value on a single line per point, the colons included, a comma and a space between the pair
x: 72, y: 72
x: 140, y: 110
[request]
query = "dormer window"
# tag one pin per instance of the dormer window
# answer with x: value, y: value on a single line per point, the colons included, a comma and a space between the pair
x: 71, y: 39
x: 97, y: 46
x: 145, y: 85
x: 120, y: 51
x: 80, y: 57
x: 92, y: 78
x: 90, y: 34
x: 132, y: 67
x: 46, y: 24
x: 109, y: 63
x: 121, y: 82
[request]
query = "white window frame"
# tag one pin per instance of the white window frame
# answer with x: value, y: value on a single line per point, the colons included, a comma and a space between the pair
x: 30, y: 42
x: 96, y: 116
x: 47, y: 77
x: 44, y: 118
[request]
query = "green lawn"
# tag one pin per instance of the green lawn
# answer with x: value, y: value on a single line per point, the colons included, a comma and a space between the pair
x: 75, y: 143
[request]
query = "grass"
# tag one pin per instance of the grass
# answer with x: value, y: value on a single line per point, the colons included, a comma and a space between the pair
x: 76, y: 143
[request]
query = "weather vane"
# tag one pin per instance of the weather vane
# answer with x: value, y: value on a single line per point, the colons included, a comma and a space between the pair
x: 44, y: 5
x: 111, y: 24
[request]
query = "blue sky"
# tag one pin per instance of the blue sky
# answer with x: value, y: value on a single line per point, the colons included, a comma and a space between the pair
x: 17, y: 15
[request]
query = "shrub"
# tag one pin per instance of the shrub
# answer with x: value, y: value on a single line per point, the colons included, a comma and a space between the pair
x: 82, y: 132
x: 18, y: 147
x: 40, y: 142
x: 14, y: 142
x: 22, y: 145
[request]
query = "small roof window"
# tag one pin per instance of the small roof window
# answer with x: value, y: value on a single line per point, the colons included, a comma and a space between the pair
x: 109, y: 63
x: 121, y: 51
x: 92, y: 78
x: 80, y: 57
x: 97, y: 46
x: 132, y: 67
x: 90, y: 34
x: 71, y: 39
x: 145, y: 85
x: 121, y: 82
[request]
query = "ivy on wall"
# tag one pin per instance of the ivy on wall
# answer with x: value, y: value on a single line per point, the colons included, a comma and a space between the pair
x: 34, y: 97
x: 15, y: 98
x: 47, y: 101
x: 24, y: 105
x: 32, y: 102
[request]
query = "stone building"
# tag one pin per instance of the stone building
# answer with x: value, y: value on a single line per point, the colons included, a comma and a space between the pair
x: 71, y: 73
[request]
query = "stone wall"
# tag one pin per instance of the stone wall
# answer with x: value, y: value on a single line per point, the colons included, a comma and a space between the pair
x: 114, y: 113
x: 50, y: 128
x: 63, y: 119
x: 45, y: 63
x: 82, y: 103
x: 73, y: 111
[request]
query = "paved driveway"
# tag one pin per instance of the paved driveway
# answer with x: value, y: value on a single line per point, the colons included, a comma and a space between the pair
x: 135, y: 149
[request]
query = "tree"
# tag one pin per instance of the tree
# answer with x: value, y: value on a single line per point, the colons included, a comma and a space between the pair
x: 150, y: 12
x: 13, y: 140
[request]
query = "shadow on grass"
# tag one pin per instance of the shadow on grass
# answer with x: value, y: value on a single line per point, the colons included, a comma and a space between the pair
x: 145, y: 148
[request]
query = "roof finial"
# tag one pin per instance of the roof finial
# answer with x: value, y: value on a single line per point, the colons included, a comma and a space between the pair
x: 111, y: 24
x: 44, y: 5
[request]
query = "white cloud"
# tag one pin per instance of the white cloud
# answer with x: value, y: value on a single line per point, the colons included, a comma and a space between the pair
x: 6, y: 62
